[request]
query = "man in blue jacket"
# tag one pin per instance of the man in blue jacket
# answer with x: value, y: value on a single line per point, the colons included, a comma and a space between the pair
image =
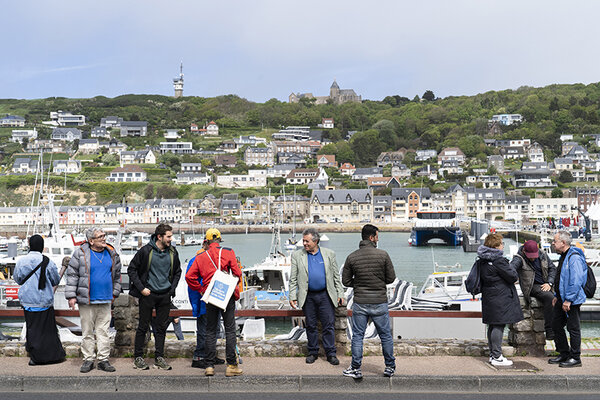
x: 569, y: 296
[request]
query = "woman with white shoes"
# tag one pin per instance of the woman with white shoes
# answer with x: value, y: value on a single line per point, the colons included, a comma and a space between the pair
x: 499, y: 299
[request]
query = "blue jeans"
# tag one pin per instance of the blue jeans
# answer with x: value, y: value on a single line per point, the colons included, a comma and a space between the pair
x: 380, y: 316
x: 200, y: 350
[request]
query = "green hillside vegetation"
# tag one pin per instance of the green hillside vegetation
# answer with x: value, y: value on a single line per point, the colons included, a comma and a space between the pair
x: 387, y: 125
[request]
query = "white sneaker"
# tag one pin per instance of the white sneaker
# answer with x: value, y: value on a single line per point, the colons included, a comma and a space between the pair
x: 501, y: 362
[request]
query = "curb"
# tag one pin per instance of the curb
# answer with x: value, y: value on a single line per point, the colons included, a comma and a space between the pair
x: 316, y: 384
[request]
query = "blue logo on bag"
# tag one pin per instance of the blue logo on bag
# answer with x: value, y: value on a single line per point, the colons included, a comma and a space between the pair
x: 219, y: 291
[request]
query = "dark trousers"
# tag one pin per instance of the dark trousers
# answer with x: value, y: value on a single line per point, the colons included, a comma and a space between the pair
x: 212, y: 321
x: 200, y: 350
x: 572, y: 321
x: 318, y: 307
x: 42, y: 339
x: 546, y: 299
x: 162, y: 304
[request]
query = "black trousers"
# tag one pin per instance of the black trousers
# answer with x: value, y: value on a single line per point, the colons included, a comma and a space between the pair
x: 42, y: 341
x: 212, y: 321
x: 546, y: 299
x: 572, y: 321
x: 162, y: 304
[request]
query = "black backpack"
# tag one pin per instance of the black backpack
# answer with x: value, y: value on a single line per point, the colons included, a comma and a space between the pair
x: 473, y: 281
x: 590, y: 284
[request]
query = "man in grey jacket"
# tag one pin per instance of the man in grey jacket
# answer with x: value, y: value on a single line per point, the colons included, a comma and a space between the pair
x: 93, y: 281
x: 368, y: 270
x: 315, y: 287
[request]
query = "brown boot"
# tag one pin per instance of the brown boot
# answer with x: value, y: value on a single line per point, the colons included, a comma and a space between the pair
x: 210, y: 371
x: 233, y: 370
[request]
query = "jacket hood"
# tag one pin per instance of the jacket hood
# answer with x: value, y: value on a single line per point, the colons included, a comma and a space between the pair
x: 366, y: 243
x: 577, y: 250
x: 489, y: 253
x: 152, y: 242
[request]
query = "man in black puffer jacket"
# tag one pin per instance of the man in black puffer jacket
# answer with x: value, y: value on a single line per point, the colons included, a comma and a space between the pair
x: 368, y: 270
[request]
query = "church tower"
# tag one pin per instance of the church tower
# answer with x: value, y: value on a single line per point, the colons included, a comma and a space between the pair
x: 178, y: 82
x: 334, y: 91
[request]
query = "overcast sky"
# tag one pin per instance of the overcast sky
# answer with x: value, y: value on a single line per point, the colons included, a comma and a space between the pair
x: 264, y: 49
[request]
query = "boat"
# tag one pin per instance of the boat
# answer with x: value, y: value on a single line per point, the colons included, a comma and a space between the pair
x: 269, y: 279
x: 435, y: 225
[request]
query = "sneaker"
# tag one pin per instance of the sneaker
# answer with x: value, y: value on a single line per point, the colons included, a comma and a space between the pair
x: 311, y: 358
x: 105, y: 366
x: 86, y: 367
x: 199, y: 363
x: 389, y: 371
x: 501, y: 362
x: 161, y: 363
x: 139, y: 363
x: 353, y: 373
x: 333, y: 360
x: 233, y: 370
x: 210, y: 371
x: 219, y: 361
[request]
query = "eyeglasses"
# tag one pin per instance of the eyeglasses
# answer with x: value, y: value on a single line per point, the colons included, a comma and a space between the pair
x: 99, y: 237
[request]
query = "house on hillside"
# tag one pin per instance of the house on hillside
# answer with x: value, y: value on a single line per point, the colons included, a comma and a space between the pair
x: 66, y: 134
x: 134, y: 128
x: 66, y: 167
x: 225, y: 161
x: 326, y: 161
x: 451, y: 154
x: 127, y: 173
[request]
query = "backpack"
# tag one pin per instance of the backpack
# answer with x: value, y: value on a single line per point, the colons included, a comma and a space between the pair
x: 473, y: 281
x: 590, y: 284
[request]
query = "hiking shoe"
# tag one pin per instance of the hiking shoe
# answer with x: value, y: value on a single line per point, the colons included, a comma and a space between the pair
x: 501, y: 362
x: 161, y: 363
x: 139, y: 363
x: 311, y: 358
x: 199, y: 363
x: 86, y: 367
x: 106, y: 367
x: 333, y: 360
x: 388, y: 372
x: 353, y: 373
x: 233, y: 370
x: 219, y: 361
x: 210, y: 371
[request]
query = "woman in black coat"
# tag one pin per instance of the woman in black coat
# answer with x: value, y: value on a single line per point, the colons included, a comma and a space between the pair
x: 500, y: 302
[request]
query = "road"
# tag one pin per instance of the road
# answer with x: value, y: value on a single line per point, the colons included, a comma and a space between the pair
x: 294, y: 396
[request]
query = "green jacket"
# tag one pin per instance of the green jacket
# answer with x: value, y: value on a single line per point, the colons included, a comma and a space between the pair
x: 299, y: 276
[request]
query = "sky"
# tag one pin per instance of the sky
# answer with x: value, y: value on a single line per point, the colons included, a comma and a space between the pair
x: 263, y: 49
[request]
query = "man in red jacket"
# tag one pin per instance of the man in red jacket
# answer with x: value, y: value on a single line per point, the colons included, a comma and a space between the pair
x: 205, y: 265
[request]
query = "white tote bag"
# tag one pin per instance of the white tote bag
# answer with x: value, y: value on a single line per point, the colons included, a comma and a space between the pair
x: 221, y: 286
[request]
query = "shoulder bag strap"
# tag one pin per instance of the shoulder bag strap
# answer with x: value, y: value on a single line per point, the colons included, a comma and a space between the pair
x: 43, y: 265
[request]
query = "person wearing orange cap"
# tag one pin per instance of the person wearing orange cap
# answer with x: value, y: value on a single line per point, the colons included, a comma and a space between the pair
x: 536, y: 277
x: 204, y: 267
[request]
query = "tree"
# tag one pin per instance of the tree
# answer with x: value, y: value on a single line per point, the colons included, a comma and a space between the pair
x: 428, y: 95
x: 366, y: 146
x: 387, y: 132
x: 556, y: 193
x: 167, y: 192
x: 149, y: 192
x: 565, y: 176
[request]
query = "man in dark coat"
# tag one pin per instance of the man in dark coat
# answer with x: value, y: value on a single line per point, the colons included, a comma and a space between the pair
x: 536, y: 277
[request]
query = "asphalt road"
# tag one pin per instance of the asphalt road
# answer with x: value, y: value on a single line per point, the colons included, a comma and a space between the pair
x: 292, y: 396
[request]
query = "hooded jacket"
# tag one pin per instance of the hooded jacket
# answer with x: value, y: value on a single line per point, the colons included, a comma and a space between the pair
x: 573, y: 275
x: 78, y: 274
x: 368, y: 270
x: 29, y: 294
x: 138, y: 269
x: 526, y: 271
x: 499, y: 299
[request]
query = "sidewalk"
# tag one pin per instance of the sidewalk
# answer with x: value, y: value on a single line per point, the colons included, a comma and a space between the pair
x: 291, y: 374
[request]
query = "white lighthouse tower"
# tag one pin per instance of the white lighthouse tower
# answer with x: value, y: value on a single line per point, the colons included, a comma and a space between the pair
x: 178, y: 82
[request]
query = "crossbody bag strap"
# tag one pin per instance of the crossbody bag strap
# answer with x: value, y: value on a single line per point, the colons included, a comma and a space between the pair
x: 43, y: 264
x: 211, y: 260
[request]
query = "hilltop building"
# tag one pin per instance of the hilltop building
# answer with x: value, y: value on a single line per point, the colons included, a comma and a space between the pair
x: 178, y: 83
x: 336, y: 96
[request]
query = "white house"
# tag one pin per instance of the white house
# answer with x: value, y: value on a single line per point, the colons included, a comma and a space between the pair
x: 172, y: 134
x: 134, y: 128
x: 66, y: 134
x: 66, y: 167
x: 506, y: 119
x: 535, y: 152
x: 451, y: 154
x: 304, y: 176
x: 89, y: 146
x: 137, y: 157
x: 191, y: 167
x: 18, y: 135
x: 255, y: 178
x: 190, y: 178
x: 327, y: 123
x: 212, y: 129
x: 127, y: 173
x: 111, y: 122
x: 61, y: 118
x: 25, y: 165
x: 12, y: 120
x: 176, y: 147
x: 424, y: 155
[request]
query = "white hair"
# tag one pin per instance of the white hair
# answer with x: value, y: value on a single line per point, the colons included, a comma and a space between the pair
x: 565, y: 237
